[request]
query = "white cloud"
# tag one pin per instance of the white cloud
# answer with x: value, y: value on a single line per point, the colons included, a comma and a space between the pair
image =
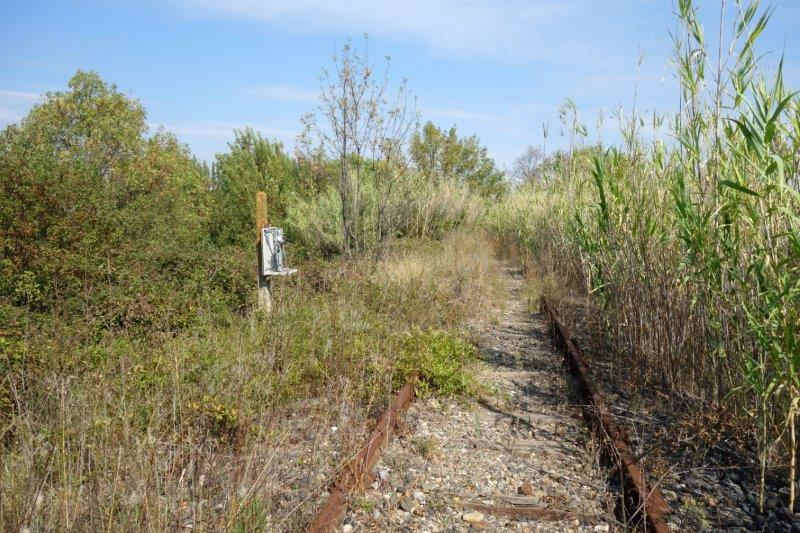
x: 19, y: 96
x: 511, y: 30
x: 284, y: 93
x: 223, y: 130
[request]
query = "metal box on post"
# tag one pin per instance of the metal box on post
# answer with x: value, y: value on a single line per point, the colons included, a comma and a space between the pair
x: 272, y: 255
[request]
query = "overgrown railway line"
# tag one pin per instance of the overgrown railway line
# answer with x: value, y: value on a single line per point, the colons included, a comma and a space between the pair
x: 550, y: 462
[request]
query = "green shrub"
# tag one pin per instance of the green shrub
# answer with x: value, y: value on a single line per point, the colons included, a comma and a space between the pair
x: 105, y: 225
x: 442, y: 360
x: 252, y: 164
x: 126, y: 274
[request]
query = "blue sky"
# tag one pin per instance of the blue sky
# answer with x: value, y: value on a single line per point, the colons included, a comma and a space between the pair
x: 497, y: 69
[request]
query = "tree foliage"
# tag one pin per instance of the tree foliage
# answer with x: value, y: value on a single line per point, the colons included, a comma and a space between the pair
x: 96, y: 217
x: 440, y: 155
x: 252, y: 164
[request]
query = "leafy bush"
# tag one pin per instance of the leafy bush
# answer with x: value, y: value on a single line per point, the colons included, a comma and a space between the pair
x: 101, y: 222
x: 252, y: 164
x: 316, y: 223
x: 442, y: 361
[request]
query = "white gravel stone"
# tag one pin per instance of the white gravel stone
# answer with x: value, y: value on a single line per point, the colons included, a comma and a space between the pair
x: 472, y: 517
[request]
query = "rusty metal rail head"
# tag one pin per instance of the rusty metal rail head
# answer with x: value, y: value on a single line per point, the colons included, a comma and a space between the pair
x: 356, y: 472
x: 648, y: 499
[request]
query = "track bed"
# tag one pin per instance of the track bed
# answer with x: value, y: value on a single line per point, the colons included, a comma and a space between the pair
x: 518, y: 459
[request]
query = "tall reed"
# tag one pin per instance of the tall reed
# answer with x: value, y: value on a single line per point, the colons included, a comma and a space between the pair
x: 692, y: 248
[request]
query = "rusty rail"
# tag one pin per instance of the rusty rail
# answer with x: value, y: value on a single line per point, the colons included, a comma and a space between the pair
x: 648, y: 499
x: 353, y: 476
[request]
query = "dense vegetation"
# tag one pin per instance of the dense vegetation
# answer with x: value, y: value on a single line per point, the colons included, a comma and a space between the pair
x: 692, y: 248
x: 130, y: 353
x: 129, y: 349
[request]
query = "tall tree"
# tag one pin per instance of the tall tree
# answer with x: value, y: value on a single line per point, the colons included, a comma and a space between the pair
x: 528, y: 166
x: 439, y: 155
x: 85, y: 195
x: 361, y: 127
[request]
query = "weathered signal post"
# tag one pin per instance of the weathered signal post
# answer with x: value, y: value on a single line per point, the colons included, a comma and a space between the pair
x: 270, y: 254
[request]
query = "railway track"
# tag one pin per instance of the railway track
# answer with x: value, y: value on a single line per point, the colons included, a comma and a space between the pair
x: 644, y: 500
x: 519, y: 458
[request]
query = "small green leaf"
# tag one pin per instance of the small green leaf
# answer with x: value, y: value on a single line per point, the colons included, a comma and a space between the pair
x: 738, y: 187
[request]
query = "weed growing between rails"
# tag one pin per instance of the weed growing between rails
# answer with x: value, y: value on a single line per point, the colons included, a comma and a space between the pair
x: 691, y: 251
x: 231, y: 427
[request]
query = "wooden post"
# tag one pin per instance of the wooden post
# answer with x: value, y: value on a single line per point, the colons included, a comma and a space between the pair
x: 261, y: 215
x: 264, y: 294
